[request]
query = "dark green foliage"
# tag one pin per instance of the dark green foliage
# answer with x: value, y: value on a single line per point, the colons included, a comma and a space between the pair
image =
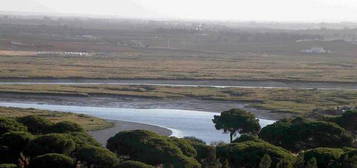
x: 7, y: 155
x: 348, y: 120
x: 300, y: 162
x: 312, y: 163
x: 325, y: 157
x: 244, y: 138
x: 237, y: 121
x: 265, y: 162
x: 16, y: 141
x: 8, y: 125
x: 82, y: 138
x: 206, y: 154
x: 203, y: 151
x: 66, y: 127
x: 51, y: 143
x: 125, y: 142
x: 195, y: 140
x: 301, y: 134
x: 97, y: 157
x: 183, y: 162
x: 36, y: 125
x: 52, y: 160
x: 250, y: 153
x: 284, y: 164
x: 8, y: 166
x: 150, y: 148
x: 349, y: 159
x: 185, y: 146
x: 133, y: 164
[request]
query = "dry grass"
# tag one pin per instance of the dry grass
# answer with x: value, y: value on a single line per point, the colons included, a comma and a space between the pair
x: 17, y: 53
x: 173, y: 65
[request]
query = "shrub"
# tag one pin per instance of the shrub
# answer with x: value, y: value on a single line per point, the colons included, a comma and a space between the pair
x: 51, y: 143
x: 349, y: 159
x: 301, y: 134
x: 7, y: 155
x: 244, y: 138
x: 97, y: 157
x: 325, y: 157
x: 133, y: 164
x: 52, y: 160
x: 184, y: 145
x: 195, y: 140
x: 82, y: 138
x: 66, y: 127
x: 249, y: 154
x: 8, y: 166
x: 150, y: 148
x: 16, y: 141
x: 265, y: 162
x: 206, y: 154
x: 348, y: 120
x: 8, y: 125
x: 36, y: 124
x: 312, y: 163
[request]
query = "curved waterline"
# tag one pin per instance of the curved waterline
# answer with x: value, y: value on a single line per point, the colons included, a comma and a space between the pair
x: 181, y: 122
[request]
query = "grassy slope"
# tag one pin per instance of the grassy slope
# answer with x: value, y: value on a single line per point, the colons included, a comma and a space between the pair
x: 87, y: 122
x: 277, y: 100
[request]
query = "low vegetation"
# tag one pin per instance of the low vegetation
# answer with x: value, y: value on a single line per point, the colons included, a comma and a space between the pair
x: 36, y: 123
x: 295, y: 101
x: 177, y: 64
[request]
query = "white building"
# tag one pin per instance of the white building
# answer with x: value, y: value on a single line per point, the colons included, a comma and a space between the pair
x: 316, y: 50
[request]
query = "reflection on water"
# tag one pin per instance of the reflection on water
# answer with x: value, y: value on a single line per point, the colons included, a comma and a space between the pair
x: 181, y: 122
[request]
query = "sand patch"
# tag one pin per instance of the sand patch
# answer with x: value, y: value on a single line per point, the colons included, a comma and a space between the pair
x: 17, y: 53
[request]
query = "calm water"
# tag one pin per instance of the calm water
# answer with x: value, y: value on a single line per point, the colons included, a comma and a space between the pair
x: 181, y: 122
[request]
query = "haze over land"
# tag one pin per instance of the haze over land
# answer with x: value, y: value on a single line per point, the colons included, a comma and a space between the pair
x: 226, y: 10
x: 279, y: 77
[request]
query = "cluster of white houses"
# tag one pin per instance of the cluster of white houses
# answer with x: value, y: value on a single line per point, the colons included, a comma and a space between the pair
x: 316, y: 50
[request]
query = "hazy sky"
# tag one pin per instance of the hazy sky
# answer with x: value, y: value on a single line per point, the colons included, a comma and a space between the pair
x: 237, y: 10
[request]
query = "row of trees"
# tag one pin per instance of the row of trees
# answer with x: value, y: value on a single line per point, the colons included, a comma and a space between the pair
x: 34, y: 142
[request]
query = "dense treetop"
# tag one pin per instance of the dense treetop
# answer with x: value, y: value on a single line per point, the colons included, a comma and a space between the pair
x: 301, y: 134
x: 237, y: 121
x: 33, y: 142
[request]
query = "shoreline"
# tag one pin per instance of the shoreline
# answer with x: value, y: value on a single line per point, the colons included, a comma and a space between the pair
x: 214, y: 106
x: 175, y: 122
x: 103, y: 135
